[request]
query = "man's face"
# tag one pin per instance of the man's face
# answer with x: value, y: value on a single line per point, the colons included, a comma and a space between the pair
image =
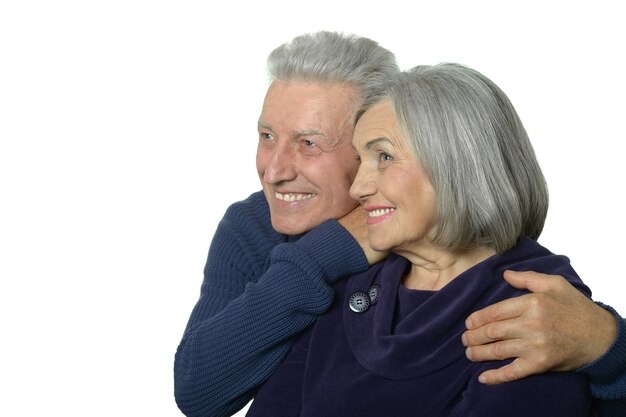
x: 304, y: 157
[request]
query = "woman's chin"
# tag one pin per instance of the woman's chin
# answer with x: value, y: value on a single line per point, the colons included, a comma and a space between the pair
x: 379, y: 246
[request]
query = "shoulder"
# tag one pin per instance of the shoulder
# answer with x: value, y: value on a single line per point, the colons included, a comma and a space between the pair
x: 250, y: 217
x: 529, y: 255
x: 245, y: 232
x: 252, y: 209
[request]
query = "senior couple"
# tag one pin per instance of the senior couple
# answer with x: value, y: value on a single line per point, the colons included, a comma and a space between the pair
x: 385, y: 267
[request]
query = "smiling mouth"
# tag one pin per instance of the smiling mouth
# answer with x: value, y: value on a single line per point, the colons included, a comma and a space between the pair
x: 380, y: 212
x: 293, y: 196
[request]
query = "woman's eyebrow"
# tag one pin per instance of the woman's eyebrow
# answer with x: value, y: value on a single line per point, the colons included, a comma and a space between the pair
x: 373, y: 142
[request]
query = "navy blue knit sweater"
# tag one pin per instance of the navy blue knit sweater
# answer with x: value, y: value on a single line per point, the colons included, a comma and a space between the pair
x: 262, y: 288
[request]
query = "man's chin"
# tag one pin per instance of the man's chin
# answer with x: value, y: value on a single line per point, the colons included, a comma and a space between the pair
x: 294, y: 226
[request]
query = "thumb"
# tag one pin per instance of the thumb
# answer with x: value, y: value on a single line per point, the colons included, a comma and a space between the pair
x: 528, y: 280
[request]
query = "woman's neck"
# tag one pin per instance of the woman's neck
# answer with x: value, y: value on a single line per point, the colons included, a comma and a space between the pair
x: 433, y: 267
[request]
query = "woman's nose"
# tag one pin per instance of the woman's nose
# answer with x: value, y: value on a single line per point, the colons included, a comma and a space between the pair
x: 363, y: 185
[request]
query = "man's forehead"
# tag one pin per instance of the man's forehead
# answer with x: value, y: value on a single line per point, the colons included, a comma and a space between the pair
x: 312, y: 94
x: 303, y: 108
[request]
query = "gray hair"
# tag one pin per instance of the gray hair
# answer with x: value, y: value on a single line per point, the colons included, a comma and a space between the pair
x: 332, y: 57
x: 470, y: 142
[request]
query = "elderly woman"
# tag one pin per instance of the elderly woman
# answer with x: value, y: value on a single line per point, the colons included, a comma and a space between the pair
x: 453, y: 189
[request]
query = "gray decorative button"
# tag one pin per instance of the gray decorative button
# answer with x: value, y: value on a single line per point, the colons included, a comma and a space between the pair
x: 359, y: 302
x: 374, y: 293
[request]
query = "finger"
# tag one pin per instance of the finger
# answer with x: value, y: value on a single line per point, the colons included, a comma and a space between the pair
x: 502, y: 310
x: 517, y: 369
x: 504, y: 349
x: 491, y: 332
x: 532, y: 281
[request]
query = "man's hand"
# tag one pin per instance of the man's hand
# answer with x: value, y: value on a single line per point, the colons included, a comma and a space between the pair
x: 556, y: 328
x: 355, y: 222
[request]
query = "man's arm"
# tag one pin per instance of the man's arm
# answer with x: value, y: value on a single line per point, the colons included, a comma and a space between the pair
x: 556, y: 328
x: 257, y: 294
x: 608, y: 373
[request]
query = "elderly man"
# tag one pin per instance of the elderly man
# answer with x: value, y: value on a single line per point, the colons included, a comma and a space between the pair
x: 275, y: 256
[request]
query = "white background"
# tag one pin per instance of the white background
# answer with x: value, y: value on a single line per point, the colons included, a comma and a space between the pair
x: 127, y: 127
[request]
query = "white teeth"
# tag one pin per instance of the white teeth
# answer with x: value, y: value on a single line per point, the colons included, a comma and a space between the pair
x: 381, y: 212
x: 293, y: 197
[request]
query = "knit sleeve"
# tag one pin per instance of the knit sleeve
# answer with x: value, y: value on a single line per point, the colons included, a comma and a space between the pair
x: 608, y: 373
x: 259, y: 291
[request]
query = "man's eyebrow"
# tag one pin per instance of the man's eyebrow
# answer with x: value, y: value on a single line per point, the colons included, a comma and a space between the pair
x: 265, y: 126
x: 308, y: 132
x: 326, y: 142
x: 295, y: 133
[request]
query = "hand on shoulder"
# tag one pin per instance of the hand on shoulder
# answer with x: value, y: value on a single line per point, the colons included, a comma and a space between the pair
x: 555, y: 328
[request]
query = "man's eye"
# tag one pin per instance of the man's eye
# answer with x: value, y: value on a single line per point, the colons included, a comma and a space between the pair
x: 266, y: 136
x: 309, y: 148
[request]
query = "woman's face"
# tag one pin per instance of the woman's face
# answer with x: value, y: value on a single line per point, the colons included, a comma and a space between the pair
x: 390, y: 184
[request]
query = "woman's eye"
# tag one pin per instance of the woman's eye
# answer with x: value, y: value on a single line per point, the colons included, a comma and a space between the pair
x: 383, y: 156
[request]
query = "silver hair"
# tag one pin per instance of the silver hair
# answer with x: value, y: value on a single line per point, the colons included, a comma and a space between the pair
x: 333, y: 57
x: 471, y: 144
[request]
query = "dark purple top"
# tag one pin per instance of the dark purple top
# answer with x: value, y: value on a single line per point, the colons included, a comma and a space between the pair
x: 403, y: 355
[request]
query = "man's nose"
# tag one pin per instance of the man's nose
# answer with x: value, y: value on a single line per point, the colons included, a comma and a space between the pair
x: 281, y: 165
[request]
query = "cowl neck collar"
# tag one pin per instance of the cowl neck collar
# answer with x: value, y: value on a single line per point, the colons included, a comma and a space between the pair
x: 428, y: 338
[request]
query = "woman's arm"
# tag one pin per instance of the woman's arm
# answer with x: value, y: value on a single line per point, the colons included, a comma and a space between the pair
x: 554, y: 328
x: 544, y: 395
